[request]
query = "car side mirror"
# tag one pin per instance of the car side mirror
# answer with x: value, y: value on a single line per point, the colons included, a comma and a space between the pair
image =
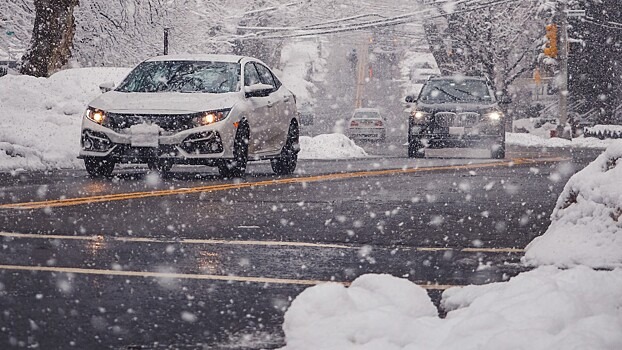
x: 258, y: 90
x: 106, y: 87
x: 505, y: 100
x: 411, y: 99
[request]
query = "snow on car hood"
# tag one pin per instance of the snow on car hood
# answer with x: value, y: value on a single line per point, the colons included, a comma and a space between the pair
x: 163, y: 102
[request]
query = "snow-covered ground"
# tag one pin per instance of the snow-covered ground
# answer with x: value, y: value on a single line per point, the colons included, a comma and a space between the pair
x: 586, y: 226
x: 40, y: 117
x: 546, y: 308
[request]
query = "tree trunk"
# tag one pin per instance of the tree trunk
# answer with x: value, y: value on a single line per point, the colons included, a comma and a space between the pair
x: 52, y: 37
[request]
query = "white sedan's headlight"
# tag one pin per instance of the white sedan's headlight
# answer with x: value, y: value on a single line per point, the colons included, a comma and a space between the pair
x: 211, y: 117
x: 494, y: 116
x: 96, y: 115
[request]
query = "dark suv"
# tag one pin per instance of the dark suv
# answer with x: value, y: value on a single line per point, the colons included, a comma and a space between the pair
x: 456, y: 111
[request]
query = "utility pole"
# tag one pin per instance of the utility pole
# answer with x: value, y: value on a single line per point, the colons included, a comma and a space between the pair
x: 166, y: 32
x: 563, y: 72
x: 362, y: 67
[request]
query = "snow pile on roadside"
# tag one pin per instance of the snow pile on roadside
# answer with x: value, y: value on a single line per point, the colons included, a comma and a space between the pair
x: 542, y: 309
x: 40, y: 117
x: 529, y: 125
x: 530, y: 140
x: 302, y: 67
x: 329, y: 146
x: 586, y: 226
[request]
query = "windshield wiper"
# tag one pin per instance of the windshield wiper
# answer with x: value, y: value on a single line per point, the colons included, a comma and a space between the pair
x: 446, y: 93
x: 479, y: 98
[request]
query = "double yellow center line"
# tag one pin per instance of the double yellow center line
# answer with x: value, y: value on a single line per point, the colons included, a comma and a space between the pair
x: 67, y: 202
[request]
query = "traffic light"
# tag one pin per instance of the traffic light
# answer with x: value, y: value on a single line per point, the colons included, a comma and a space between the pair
x: 551, y: 45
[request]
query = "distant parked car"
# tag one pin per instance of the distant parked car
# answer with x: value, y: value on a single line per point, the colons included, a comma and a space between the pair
x: 453, y: 112
x: 367, y: 124
x: 213, y: 110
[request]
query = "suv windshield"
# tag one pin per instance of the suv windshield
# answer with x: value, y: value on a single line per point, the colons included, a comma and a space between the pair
x: 183, y: 76
x: 450, y: 90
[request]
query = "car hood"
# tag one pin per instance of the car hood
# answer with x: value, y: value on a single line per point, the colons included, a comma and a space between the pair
x: 456, y: 107
x: 163, y: 102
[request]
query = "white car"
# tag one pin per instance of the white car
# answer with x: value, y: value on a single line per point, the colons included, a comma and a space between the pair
x: 214, y: 110
x: 367, y: 124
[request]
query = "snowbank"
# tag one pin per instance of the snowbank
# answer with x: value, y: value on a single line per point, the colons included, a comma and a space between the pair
x: 543, y: 309
x: 530, y: 140
x: 529, y: 125
x: 586, y: 226
x: 40, y: 117
x: 329, y: 146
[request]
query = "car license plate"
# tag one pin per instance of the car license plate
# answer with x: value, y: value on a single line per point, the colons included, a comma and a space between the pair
x: 456, y: 130
x: 145, y: 135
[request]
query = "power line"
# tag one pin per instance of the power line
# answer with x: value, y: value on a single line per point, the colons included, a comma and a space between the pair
x: 393, y: 21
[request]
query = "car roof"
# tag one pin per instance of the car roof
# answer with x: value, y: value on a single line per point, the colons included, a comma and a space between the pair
x: 459, y: 77
x: 199, y: 58
x: 373, y: 110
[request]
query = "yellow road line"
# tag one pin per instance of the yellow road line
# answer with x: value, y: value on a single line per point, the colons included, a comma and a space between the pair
x: 167, y: 275
x: 223, y: 187
x: 493, y: 250
x: 240, y: 243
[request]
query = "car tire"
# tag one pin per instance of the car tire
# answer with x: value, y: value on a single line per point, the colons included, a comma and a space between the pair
x: 415, y: 148
x: 99, y: 167
x: 236, y: 167
x: 160, y: 166
x: 286, y: 163
x: 498, y: 151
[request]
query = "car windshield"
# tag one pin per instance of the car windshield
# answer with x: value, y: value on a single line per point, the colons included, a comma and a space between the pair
x: 183, y: 76
x: 447, y: 91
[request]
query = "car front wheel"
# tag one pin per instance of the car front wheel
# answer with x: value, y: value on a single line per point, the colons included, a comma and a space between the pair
x: 498, y: 151
x: 415, y: 148
x: 286, y: 163
x: 98, y: 167
x: 236, y: 167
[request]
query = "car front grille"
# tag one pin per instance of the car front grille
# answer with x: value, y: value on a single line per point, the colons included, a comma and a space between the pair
x: 168, y: 122
x: 450, y: 119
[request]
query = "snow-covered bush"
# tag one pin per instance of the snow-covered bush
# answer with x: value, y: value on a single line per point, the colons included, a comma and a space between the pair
x: 586, y: 226
x: 40, y: 117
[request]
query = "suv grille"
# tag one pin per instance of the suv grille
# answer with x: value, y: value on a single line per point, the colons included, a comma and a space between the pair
x: 450, y: 119
x: 168, y: 122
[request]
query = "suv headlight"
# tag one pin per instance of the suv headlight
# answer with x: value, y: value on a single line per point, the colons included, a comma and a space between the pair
x: 494, y: 116
x: 419, y: 115
x: 211, y: 117
x: 96, y: 115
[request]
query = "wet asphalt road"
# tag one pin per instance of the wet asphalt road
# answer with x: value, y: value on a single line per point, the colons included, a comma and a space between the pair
x: 213, y: 263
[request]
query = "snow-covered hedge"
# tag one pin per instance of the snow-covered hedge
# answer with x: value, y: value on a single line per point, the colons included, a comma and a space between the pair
x: 586, y: 226
x: 604, y: 131
x: 40, y: 117
x: 542, y: 309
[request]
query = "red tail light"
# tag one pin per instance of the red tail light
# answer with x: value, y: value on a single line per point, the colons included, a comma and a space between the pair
x: 378, y: 123
x: 354, y: 123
